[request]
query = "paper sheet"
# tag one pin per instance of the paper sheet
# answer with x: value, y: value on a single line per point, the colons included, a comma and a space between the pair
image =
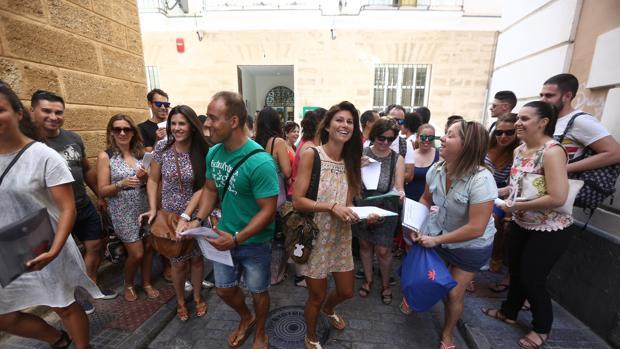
x: 364, y: 211
x: 163, y: 125
x: 370, y: 175
x: 389, y: 194
x: 415, y: 215
x: 207, y: 249
x: 146, y: 160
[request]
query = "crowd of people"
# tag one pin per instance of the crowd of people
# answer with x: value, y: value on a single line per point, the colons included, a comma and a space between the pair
x: 222, y: 171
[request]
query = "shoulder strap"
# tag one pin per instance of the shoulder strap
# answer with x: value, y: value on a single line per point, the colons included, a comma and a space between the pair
x: 109, y: 152
x: 19, y: 154
x: 569, y: 126
x: 230, y: 174
x: 393, y: 160
x: 313, y: 188
x: 273, y: 143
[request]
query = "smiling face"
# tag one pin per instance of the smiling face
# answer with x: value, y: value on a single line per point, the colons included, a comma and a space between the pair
x: 159, y: 107
x: 504, y: 133
x: 340, y: 127
x: 383, y: 141
x: 293, y: 135
x: 424, y: 139
x: 530, y: 125
x: 48, y: 116
x: 122, y: 132
x: 452, y: 143
x: 180, y: 128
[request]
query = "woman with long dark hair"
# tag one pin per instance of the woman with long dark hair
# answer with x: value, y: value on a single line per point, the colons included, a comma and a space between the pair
x: 38, y: 179
x: 340, y: 180
x: 121, y: 178
x: 179, y: 165
x: 538, y: 234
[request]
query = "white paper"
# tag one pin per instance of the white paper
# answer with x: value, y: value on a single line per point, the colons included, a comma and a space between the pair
x: 498, y: 202
x: 146, y: 160
x: 370, y: 175
x: 415, y: 215
x: 364, y: 211
x: 210, y: 252
x: 162, y: 124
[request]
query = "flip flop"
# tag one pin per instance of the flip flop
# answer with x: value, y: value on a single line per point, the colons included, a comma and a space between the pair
x: 150, y: 291
x: 238, y: 337
x: 444, y: 346
x: 336, y: 321
x: 498, y: 288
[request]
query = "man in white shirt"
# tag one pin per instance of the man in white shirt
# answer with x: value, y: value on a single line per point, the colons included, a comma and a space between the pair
x: 400, y: 145
x: 587, y: 131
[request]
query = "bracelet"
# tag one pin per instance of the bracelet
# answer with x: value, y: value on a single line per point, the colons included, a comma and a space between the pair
x: 235, y: 240
x: 117, y: 185
x: 314, y: 206
x: 185, y: 217
x: 332, y: 208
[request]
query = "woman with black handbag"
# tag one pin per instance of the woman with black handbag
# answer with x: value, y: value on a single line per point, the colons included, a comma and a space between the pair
x: 339, y: 181
x: 179, y: 165
x: 35, y: 176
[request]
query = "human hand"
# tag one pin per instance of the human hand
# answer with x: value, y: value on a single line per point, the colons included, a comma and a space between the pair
x: 142, y: 174
x: 102, y: 205
x: 39, y: 262
x: 401, y: 196
x: 365, y: 160
x: 345, y: 214
x: 427, y: 241
x: 224, y: 241
x: 150, y: 215
x: 184, y: 225
x: 131, y: 182
x: 160, y: 134
x: 374, y: 218
x: 504, y: 192
x: 507, y: 206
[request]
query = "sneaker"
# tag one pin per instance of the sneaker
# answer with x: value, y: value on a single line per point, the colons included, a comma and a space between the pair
x: 108, y: 294
x: 207, y: 284
x: 87, y: 306
x: 188, y: 286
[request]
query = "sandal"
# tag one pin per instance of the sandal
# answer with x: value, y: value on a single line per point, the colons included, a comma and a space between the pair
x: 364, y: 290
x: 498, y: 287
x: 336, y: 321
x: 182, y: 313
x: 444, y: 346
x: 238, y: 337
x: 386, y: 298
x: 404, y: 307
x: 528, y: 343
x: 63, y: 342
x: 150, y: 291
x: 201, y: 308
x: 497, y: 315
x: 130, y: 294
x: 312, y: 345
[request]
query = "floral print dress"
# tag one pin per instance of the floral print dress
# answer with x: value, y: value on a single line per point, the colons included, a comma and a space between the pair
x: 540, y: 220
x: 331, y: 251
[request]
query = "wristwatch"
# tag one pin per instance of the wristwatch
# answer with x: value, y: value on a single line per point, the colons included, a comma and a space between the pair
x: 186, y: 217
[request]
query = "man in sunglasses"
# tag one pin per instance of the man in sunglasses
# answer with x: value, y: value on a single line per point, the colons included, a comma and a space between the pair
x: 47, y: 109
x: 159, y: 105
x: 503, y: 103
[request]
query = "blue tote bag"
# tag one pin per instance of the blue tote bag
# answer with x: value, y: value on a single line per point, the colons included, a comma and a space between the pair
x: 424, y: 278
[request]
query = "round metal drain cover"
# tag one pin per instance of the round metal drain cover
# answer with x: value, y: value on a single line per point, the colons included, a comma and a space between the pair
x: 286, y: 328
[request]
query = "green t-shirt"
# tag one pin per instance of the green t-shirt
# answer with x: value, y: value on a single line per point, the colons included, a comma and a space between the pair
x: 255, y: 179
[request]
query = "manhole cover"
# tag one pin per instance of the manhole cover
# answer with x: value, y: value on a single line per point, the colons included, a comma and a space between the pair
x: 286, y: 328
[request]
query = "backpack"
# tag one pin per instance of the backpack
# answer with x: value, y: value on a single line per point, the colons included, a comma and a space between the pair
x: 299, y: 228
x: 599, y: 183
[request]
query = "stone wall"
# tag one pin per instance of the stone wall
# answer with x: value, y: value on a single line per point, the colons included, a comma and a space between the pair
x: 88, y: 51
x: 327, y: 71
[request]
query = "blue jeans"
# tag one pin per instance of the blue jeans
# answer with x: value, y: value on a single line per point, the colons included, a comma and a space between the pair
x: 252, y: 261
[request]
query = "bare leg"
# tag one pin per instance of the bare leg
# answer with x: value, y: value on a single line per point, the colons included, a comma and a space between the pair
x: 75, y: 321
x: 343, y: 291
x: 197, y: 275
x: 29, y: 326
x: 135, y: 254
x: 366, y: 252
x: 235, y: 299
x: 261, y: 307
x: 454, y: 303
x: 317, y: 291
x: 147, y: 262
x: 92, y: 257
x: 385, y: 265
x: 179, y: 275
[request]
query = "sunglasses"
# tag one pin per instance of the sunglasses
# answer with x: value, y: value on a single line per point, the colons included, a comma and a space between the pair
x: 118, y: 130
x: 384, y: 138
x: 162, y: 104
x: 425, y: 138
x: 499, y: 133
x: 400, y: 121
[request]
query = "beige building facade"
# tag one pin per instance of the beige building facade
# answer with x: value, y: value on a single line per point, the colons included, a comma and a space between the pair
x: 89, y: 52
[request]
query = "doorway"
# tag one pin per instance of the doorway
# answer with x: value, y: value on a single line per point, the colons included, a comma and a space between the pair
x: 267, y: 85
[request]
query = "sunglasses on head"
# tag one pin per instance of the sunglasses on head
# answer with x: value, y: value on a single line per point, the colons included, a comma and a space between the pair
x: 162, y: 104
x: 429, y: 138
x: 384, y: 138
x: 499, y: 133
x: 118, y: 130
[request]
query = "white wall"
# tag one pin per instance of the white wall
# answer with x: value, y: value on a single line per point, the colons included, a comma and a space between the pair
x: 263, y: 84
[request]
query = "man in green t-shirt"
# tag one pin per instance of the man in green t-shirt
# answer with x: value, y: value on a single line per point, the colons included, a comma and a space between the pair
x: 248, y: 210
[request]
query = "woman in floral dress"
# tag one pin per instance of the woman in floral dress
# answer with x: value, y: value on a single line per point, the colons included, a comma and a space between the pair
x: 121, y: 178
x: 340, y: 180
x: 538, y: 235
x: 179, y: 165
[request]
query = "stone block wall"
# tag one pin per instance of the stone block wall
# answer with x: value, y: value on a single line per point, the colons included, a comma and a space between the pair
x: 88, y: 51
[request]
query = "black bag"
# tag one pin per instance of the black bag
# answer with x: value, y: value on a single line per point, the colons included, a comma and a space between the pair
x: 599, y: 183
x: 299, y: 228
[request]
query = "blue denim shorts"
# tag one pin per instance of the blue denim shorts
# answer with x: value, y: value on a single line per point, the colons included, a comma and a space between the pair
x: 251, y: 261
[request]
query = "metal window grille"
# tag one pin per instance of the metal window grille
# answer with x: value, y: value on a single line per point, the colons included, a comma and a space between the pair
x: 404, y: 84
x: 152, y: 77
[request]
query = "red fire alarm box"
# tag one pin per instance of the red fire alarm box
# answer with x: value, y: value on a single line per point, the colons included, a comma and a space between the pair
x: 180, y: 45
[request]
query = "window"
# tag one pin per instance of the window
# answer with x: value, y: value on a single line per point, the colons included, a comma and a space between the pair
x: 404, y: 84
x: 152, y: 77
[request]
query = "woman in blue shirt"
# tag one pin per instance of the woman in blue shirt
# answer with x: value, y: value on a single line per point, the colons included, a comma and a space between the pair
x: 461, y: 228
